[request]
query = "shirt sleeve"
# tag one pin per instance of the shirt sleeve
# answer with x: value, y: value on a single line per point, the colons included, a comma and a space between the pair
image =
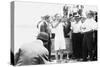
x: 72, y: 23
x: 94, y: 25
x: 83, y: 26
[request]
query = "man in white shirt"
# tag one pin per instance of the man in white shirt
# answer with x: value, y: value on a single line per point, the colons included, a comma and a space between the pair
x: 87, y: 29
x: 76, y: 37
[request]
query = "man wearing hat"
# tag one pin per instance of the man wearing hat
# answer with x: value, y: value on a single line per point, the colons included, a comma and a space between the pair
x: 76, y: 35
x: 34, y: 52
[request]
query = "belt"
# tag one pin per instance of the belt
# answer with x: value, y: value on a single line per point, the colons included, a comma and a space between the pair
x: 67, y: 36
x: 88, y: 32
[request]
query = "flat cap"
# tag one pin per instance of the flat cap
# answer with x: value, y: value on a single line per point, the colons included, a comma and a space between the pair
x: 43, y: 36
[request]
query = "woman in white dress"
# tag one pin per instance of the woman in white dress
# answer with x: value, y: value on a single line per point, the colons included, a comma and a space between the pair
x: 59, y: 41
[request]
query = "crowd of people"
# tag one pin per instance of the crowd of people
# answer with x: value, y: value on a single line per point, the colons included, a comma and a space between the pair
x: 59, y: 30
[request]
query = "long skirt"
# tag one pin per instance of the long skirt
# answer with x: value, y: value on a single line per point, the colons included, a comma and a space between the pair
x: 59, y: 43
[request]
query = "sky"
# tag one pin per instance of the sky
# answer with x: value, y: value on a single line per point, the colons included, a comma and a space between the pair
x: 27, y: 15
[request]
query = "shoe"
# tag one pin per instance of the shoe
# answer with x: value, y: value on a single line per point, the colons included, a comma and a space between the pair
x: 84, y: 60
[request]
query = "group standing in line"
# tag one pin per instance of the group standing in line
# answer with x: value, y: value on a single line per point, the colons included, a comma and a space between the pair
x: 71, y: 32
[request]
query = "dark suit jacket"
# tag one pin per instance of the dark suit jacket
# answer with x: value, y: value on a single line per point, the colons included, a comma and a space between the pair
x: 43, y: 27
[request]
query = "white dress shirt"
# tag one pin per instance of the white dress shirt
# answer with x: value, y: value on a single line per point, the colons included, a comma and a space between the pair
x: 76, y: 26
x: 88, y: 25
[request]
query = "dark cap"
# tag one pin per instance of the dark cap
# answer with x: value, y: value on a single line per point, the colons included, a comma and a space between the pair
x: 43, y: 36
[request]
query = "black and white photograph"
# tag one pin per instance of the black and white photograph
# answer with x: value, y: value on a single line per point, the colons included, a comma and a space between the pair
x: 52, y: 33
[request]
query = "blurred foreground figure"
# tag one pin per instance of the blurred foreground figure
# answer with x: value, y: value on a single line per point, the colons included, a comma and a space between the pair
x: 34, y: 52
